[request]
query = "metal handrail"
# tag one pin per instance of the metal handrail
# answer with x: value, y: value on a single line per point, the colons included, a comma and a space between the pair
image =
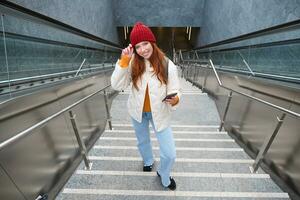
x: 252, y: 97
x: 288, y: 78
x: 29, y: 130
x: 46, y: 75
x: 260, y: 74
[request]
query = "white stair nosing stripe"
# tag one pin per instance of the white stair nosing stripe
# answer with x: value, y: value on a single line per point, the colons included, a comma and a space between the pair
x: 176, y: 193
x: 194, y: 93
x: 191, y: 90
x: 197, y: 160
x: 176, y: 174
x: 177, y: 148
x: 176, y: 139
x: 175, y: 125
x: 175, y: 132
x: 183, y: 93
x: 199, y: 91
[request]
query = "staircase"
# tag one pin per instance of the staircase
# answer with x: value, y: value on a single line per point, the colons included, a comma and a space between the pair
x: 209, y: 164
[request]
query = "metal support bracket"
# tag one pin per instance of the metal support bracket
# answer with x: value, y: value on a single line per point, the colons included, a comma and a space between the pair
x: 88, y: 164
x: 267, y: 144
x: 42, y: 197
x: 226, y: 110
x: 107, y: 110
x: 204, y: 80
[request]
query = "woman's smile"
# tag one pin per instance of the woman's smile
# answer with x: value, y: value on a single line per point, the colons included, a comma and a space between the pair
x: 144, y: 49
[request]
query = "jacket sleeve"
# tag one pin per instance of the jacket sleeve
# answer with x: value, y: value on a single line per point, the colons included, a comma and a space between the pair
x: 173, y: 82
x: 120, y: 78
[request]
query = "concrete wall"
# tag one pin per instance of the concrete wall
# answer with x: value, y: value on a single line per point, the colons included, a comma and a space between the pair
x: 230, y: 18
x: 169, y: 13
x: 93, y: 16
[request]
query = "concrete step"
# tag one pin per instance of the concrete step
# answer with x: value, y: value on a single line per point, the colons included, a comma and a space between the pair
x: 183, y: 139
x: 181, y: 153
x: 220, y: 166
x: 180, y: 142
x: 75, y: 194
x: 175, y: 127
x: 139, y: 184
x: 177, y: 134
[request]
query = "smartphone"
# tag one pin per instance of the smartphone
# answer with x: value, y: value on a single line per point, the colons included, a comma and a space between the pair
x: 169, y: 96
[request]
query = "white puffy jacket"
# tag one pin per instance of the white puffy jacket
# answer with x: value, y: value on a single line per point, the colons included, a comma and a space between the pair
x: 161, y: 111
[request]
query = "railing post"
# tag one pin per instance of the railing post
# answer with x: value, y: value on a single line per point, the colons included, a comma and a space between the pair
x: 226, y: 110
x: 268, y: 142
x: 204, y: 80
x: 88, y: 164
x: 196, y: 54
x: 188, y: 72
x: 195, y: 73
x: 107, y: 110
x: 180, y: 55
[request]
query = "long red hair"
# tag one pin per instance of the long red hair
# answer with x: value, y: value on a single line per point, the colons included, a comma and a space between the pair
x: 157, y: 61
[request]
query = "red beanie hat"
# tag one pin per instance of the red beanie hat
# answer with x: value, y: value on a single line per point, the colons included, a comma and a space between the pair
x: 141, y: 32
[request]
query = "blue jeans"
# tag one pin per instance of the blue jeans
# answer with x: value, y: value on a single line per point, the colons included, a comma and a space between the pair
x: 166, y: 146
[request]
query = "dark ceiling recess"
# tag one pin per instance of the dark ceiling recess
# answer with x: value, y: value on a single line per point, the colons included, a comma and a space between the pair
x: 167, y: 38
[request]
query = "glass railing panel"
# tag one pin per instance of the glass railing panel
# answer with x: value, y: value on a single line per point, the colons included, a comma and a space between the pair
x: 34, y: 58
x: 272, y: 54
x: 185, y: 55
x: 234, y: 59
x: 276, y: 61
x: 190, y: 55
x: 37, y: 50
x: 4, y: 70
x: 203, y: 56
x: 281, y: 60
x: 3, y: 66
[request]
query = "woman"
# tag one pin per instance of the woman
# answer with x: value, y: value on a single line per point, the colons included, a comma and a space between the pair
x: 152, y: 76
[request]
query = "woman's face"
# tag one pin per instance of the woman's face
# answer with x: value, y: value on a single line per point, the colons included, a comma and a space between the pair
x: 144, y: 49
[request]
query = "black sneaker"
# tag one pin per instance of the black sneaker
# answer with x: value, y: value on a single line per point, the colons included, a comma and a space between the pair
x: 148, y: 168
x: 172, y: 185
